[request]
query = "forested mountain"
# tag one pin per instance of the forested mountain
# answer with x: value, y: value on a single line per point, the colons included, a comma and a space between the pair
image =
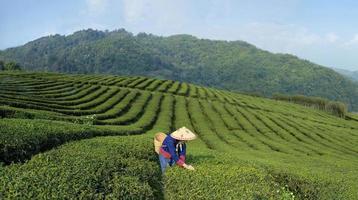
x: 234, y: 65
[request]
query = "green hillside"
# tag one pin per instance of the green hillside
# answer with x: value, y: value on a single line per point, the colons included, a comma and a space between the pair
x: 236, y: 65
x: 90, y: 137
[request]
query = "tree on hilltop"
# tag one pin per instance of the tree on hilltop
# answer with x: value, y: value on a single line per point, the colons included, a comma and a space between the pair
x: 2, y: 67
x: 12, y: 66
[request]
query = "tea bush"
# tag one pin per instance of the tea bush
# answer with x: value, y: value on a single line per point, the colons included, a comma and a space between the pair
x: 100, y: 168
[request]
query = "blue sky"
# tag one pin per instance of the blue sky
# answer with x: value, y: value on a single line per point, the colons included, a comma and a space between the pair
x: 325, y: 32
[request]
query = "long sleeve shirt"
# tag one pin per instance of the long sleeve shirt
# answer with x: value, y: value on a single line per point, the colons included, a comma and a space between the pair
x: 173, y: 150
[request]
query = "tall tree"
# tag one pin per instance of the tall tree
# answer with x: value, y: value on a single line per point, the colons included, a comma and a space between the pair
x: 2, y: 67
x: 12, y: 66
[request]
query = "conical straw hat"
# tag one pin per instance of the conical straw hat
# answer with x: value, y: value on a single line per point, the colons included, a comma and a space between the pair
x: 183, y: 134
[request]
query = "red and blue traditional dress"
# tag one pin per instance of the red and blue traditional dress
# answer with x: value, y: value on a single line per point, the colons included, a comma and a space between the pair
x: 171, y: 152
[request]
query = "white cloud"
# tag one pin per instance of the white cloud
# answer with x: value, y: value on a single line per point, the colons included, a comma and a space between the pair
x: 96, y: 7
x: 161, y: 17
x: 134, y: 10
x: 332, y: 37
x: 277, y: 37
x: 353, y: 41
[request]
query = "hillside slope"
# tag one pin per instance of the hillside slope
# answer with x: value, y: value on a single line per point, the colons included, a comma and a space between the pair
x: 260, y: 148
x: 236, y: 65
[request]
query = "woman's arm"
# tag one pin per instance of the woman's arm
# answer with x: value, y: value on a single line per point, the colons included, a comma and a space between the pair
x: 182, y: 154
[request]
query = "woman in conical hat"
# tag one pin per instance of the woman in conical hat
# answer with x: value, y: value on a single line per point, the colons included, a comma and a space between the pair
x: 173, y: 149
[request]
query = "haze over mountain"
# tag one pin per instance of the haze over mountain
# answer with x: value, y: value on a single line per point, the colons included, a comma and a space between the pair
x: 234, y: 65
x: 355, y: 75
x: 351, y: 74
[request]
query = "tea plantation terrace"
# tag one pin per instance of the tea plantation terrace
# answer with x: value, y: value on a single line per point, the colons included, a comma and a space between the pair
x: 262, y: 148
